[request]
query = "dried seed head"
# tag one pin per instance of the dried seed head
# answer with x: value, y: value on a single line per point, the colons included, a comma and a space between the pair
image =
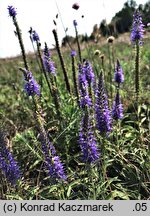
x: 97, y: 52
x: 102, y: 56
x: 75, y: 6
x: 110, y: 39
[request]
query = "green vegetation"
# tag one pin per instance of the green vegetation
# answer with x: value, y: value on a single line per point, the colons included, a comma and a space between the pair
x: 33, y: 125
x: 127, y: 155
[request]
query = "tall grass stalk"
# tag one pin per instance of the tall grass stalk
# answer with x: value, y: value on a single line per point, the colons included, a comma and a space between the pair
x: 76, y: 93
x: 110, y: 73
x: 78, y: 43
x: 19, y: 34
x: 55, y: 95
x: 65, y: 30
x: 137, y: 71
x: 62, y: 62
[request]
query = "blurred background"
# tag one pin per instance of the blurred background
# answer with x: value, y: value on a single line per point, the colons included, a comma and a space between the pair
x: 39, y: 14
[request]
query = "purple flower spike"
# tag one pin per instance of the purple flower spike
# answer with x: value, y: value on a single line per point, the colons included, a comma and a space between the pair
x: 55, y: 168
x: 12, y: 11
x: 85, y: 99
x: 75, y: 23
x: 31, y: 86
x: 53, y: 164
x: 49, y: 66
x: 48, y: 63
x: 8, y: 165
x: 137, y: 28
x: 73, y: 53
x: 119, y: 76
x: 117, y: 109
x: 90, y: 77
x: 47, y: 51
x: 87, y: 140
x: 35, y: 36
x: 58, y: 167
x: 103, y: 117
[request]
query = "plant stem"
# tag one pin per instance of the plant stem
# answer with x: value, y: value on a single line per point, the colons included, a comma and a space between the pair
x: 110, y: 72
x: 75, y: 80
x: 21, y: 43
x: 137, y: 72
x: 62, y: 62
x: 78, y: 44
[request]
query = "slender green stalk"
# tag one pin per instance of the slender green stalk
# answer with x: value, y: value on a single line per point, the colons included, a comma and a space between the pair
x: 137, y: 71
x: 19, y: 34
x: 65, y: 30
x: 3, y: 187
x: 104, y: 167
x: 104, y: 72
x: 110, y: 72
x: 55, y: 95
x: 103, y: 150
x: 75, y: 79
x: 62, y: 62
x: 137, y: 84
x: 91, y: 172
x: 113, y: 54
x: 78, y: 44
x: 103, y: 65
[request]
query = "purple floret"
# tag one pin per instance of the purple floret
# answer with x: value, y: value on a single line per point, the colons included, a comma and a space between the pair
x: 35, y: 36
x: 31, y: 86
x: 75, y: 23
x: 49, y: 65
x: 12, y: 11
x: 73, y: 53
x: 118, y: 76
